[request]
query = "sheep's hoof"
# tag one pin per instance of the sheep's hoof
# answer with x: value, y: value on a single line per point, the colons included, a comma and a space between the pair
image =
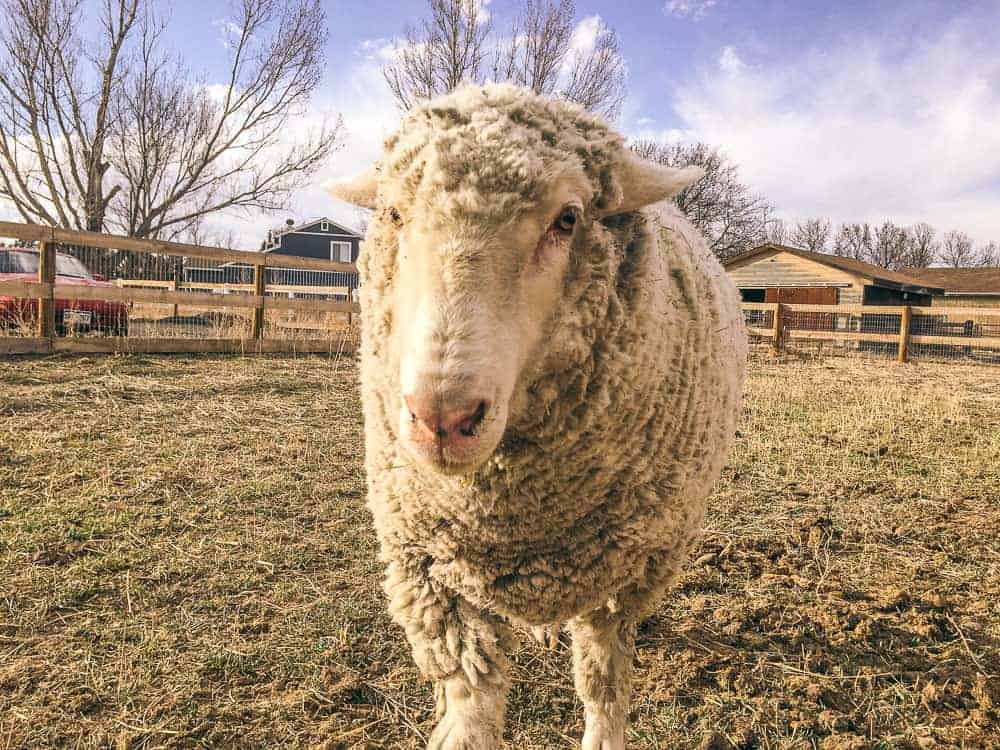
x: 600, y: 736
x: 457, y: 733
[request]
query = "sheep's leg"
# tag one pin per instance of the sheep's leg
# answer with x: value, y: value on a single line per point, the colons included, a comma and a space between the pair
x: 603, y: 651
x: 462, y: 649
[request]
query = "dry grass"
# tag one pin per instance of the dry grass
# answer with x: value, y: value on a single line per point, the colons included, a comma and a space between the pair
x: 186, y: 562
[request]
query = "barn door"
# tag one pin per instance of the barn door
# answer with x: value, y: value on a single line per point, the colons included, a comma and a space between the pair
x: 812, y: 295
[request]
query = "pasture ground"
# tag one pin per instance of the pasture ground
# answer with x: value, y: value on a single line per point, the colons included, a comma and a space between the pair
x: 186, y: 561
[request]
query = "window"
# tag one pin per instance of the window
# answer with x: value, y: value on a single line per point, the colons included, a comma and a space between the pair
x: 340, y: 251
x: 324, y: 227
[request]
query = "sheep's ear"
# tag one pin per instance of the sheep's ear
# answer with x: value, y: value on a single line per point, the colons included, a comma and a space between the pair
x: 643, y: 182
x: 359, y: 190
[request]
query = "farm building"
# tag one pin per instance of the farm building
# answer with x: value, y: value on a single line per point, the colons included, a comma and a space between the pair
x: 963, y: 287
x: 778, y: 273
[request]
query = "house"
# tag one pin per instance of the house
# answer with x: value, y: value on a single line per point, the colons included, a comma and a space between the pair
x: 320, y: 238
x: 778, y: 273
x: 963, y: 287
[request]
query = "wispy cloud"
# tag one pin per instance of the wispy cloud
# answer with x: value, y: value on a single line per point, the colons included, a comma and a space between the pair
x: 693, y: 9
x: 868, y: 129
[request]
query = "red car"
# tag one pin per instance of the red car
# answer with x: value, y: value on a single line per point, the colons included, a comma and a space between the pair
x: 71, y: 315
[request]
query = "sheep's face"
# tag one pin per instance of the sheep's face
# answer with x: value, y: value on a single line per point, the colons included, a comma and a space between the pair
x: 483, y: 201
x: 470, y: 307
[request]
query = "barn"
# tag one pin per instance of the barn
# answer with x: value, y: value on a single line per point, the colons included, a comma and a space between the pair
x: 963, y: 287
x: 779, y: 273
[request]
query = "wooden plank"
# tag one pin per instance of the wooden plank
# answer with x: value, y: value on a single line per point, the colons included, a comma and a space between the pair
x: 904, y: 334
x: 46, y: 301
x: 766, y: 332
x: 844, y: 309
x: 758, y: 305
x: 30, y: 232
x: 776, y: 334
x: 154, y: 296
x: 198, y: 299
x: 974, y: 312
x: 116, y: 242
x: 259, y: 281
x: 888, y: 338
x: 992, y: 342
x: 24, y: 345
x: 310, y: 305
x: 33, y: 289
x: 202, y: 285
x: 109, y: 345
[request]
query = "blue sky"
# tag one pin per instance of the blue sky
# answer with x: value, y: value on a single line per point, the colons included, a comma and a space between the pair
x: 851, y: 110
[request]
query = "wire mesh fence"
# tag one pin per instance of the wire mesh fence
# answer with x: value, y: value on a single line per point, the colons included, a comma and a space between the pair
x: 59, y: 286
x: 879, y: 332
x: 135, y: 293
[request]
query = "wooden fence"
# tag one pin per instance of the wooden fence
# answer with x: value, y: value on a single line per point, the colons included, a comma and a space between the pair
x: 904, y: 332
x: 254, y: 299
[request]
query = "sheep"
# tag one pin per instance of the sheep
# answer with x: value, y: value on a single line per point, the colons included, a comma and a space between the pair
x: 552, y: 365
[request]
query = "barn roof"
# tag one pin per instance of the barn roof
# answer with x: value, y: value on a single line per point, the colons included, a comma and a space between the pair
x: 878, y: 276
x: 960, y: 280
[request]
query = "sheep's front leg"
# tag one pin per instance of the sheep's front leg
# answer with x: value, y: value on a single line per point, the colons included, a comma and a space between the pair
x: 603, y: 651
x: 461, y: 649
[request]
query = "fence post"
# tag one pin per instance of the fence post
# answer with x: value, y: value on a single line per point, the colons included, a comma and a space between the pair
x: 777, y: 343
x: 904, y: 334
x: 172, y: 287
x: 259, y: 281
x: 46, y: 303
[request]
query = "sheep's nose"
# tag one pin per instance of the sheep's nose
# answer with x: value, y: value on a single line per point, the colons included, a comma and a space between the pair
x: 446, y: 421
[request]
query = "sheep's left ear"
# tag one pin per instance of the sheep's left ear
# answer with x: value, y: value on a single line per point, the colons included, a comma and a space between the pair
x: 359, y: 190
x: 643, y: 182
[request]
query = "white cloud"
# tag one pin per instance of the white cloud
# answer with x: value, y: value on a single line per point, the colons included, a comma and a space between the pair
x: 730, y: 61
x: 693, y: 9
x: 585, y: 34
x: 863, y: 131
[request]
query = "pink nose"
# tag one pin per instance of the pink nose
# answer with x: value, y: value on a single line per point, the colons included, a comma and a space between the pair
x: 444, y: 422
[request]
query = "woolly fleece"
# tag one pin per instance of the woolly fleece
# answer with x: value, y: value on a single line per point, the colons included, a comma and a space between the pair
x: 617, y: 430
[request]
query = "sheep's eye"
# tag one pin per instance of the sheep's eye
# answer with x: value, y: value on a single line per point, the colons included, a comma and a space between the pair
x: 565, y: 221
x: 395, y: 217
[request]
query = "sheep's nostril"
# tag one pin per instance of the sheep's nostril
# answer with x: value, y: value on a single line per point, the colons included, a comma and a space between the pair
x: 468, y: 426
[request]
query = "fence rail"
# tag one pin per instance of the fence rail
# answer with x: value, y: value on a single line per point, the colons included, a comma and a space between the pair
x: 899, y: 332
x: 89, y: 292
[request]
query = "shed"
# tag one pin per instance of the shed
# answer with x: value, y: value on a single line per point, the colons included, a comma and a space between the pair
x: 962, y: 287
x: 779, y: 273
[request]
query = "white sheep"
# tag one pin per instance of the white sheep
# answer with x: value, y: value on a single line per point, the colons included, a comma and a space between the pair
x: 551, y: 373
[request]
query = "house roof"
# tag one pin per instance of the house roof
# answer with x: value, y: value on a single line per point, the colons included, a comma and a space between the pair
x: 306, y: 224
x: 960, y: 280
x: 878, y: 276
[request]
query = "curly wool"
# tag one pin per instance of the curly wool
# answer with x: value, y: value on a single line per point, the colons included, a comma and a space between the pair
x: 619, y: 426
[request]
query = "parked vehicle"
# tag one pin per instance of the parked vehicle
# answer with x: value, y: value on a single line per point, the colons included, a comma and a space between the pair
x: 80, y: 315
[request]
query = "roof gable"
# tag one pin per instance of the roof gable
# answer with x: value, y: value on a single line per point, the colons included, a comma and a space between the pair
x: 874, y: 274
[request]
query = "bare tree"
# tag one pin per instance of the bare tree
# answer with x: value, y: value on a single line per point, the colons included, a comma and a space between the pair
x: 538, y: 45
x: 731, y: 216
x: 812, y: 234
x: 597, y: 76
x: 854, y: 241
x: 989, y: 255
x: 448, y: 47
x: 119, y: 134
x: 889, y: 249
x: 922, y: 249
x: 775, y: 230
x: 957, y: 251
